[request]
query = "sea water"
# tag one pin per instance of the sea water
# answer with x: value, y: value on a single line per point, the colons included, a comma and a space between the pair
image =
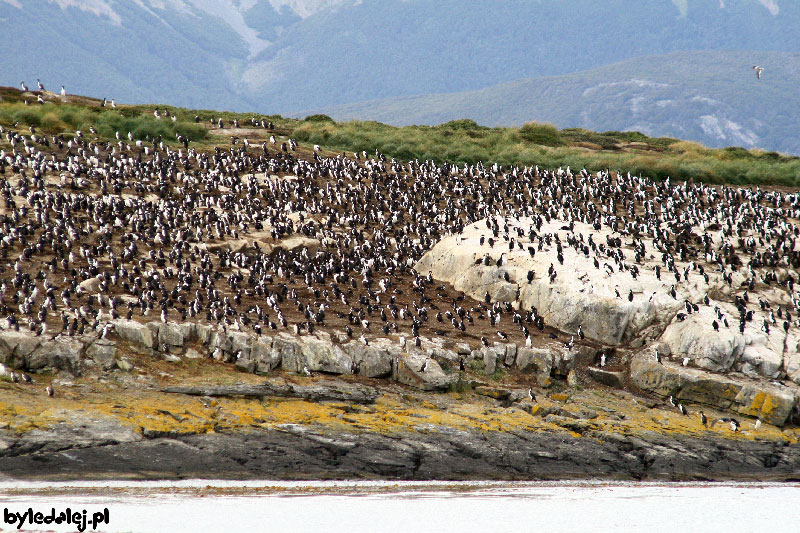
x: 220, y: 506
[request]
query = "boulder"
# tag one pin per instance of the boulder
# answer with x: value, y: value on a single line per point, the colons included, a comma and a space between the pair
x: 91, y: 285
x: 537, y: 361
x: 772, y: 403
x: 490, y: 355
x: 581, y: 294
x: 374, y: 360
x: 791, y: 358
x: 17, y: 346
x: 240, y: 343
x: 104, y: 353
x: 63, y: 353
x: 134, y: 333
x: 753, y: 352
x: 287, y: 349
x: 221, y: 340
x: 462, y: 348
x: 408, y: 372
x: 715, y: 351
x: 607, y: 377
x: 447, y: 359
x: 763, y: 354
x: 188, y: 331
x: 203, y: 333
x: 171, y: 335
x: 498, y: 393
x: 563, y: 360
x: 323, y: 356
x: 262, y: 354
x: 511, y: 355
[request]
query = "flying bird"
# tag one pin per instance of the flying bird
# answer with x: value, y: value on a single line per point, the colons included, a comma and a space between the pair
x: 758, y: 70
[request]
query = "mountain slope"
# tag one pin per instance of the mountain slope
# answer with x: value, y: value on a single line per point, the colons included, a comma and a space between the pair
x: 130, y: 52
x: 711, y: 97
x: 383, y: 48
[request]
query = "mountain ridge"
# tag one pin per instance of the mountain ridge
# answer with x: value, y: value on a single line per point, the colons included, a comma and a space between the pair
x: 644, y: 94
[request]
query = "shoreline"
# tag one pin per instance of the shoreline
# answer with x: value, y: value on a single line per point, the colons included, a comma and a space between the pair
x: 404, y: 435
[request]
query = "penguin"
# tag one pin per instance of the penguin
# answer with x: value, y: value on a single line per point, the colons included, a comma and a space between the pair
x: 671, y: 401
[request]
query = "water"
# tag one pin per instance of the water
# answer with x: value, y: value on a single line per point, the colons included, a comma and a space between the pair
x: 216, y: 506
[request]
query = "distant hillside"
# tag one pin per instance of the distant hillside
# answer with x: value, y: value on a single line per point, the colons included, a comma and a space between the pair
x: 710, y: 97
x: 284, y: 56
x: 458, y: 142
x: 388, y: 48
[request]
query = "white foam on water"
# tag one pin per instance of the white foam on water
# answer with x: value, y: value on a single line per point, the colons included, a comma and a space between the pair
x: 200, y: 505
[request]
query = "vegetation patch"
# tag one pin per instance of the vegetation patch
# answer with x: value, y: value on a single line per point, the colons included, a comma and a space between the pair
x: 458, y: 141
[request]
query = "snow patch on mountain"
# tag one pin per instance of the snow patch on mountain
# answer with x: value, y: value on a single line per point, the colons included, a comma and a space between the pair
x: 682, y: 5
x: 727, y: 130
x: 99, y: 8
x: 306, y: 8
x: 233, y: 14
x: 632, y: 83
x: 771, y: 5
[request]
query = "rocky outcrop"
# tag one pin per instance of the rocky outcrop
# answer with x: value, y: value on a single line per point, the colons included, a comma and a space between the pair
x: 580, y: 294
x: 773, y: 403
x: 318, y: 391
x: 293, y: 451
x: 620, y: 299
x: 433, y: 366
x: 318, y: 353
x: 754, y: 352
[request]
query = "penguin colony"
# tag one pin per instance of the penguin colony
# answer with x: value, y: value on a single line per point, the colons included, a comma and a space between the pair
x: 149, y: 222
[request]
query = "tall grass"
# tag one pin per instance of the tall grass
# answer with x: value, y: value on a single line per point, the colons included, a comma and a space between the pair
x: 546, y: 146
x: 51, y: 118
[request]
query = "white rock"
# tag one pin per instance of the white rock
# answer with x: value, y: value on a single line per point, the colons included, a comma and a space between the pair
x: 580, y: 295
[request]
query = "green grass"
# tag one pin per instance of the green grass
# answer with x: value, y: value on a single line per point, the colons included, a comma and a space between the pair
x: 458, y: 141
x: 68, y: 118
x: 499, y: 374
x: 548, y: 147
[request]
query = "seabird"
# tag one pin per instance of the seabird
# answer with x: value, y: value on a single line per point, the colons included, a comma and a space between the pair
x: 671, y: 401
x: 758, y: 70
x: 734, y: 424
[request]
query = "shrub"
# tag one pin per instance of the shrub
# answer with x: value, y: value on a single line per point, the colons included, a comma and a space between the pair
x: 538, y: 133
x: 318, y: 118
x: 462, y: 124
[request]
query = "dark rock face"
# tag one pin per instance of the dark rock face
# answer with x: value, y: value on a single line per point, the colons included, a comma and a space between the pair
x: 319, y: 391
x: 303, y: 452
